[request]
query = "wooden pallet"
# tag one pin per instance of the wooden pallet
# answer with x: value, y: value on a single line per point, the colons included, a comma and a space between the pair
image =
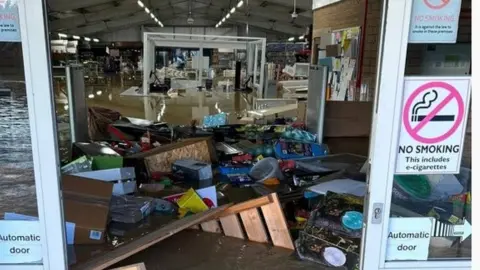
x: 259, y: 220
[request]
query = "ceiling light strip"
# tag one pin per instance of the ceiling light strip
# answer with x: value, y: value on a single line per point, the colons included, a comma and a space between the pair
x: 147, y: 10
x: 229, y: 14
x: 61, y: 35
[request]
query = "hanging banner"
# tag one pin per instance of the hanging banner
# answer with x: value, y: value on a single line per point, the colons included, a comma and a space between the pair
x: 434, y: 21
x: 434, y: 118
x: 9, y: 24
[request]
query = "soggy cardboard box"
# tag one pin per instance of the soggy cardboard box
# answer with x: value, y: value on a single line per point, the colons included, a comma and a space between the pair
x: 86, y: 203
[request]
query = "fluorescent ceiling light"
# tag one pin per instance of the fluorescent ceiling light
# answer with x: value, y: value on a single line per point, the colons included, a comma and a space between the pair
x: 151, y: 15
x: 156, y: 20
x: 223, y: 20
x: 140, y: 3
x: 228, y: 15
x: 96, y: 40
x: 301, y: 37
x: 87, y: 39
x: 76, y: 37
x: 291, y: 39
x: 240, y: 4
x: 62, y: 35
x: 147, y: 10
x: 232, y: 10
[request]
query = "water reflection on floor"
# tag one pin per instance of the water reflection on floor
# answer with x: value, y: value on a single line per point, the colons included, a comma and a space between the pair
x: 17, y: 187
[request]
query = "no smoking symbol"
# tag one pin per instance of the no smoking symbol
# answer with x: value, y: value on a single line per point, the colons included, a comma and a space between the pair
x: 426, y: 97
x: 436, y: 4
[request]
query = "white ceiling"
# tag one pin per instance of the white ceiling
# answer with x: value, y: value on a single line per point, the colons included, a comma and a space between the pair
x: 86, y: 17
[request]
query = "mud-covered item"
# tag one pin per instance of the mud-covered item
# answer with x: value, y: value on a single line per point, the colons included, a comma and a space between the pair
x: 195, y: 173
x: 320, y: 251
x: 130, y: 209
x: 98, y: 121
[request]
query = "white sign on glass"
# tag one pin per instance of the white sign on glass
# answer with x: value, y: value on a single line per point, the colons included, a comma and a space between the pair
x: 20, y: 242
x: 433, y: 123
x: 408, y: 239
x: 9, y: 21
x: 434, y: 21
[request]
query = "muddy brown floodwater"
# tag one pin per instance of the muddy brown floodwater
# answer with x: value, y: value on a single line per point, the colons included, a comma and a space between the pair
x: 194, y: 250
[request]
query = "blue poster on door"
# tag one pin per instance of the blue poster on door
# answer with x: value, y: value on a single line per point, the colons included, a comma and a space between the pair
x: 9, y: 21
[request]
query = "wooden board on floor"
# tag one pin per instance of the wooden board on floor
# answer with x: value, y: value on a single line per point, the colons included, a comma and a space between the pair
x: 275, y: 220
x: 232, y: 226
x: 272, y: 227
x: 254, y: 226
x: 138, y: 266
x: 124, y: 251
x: 211, y: 226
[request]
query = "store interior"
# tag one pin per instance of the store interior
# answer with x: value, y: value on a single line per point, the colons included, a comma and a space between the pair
x: 205, y: 134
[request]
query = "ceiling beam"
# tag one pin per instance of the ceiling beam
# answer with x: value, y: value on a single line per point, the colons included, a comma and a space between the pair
x: 288, y: 29
x: 123, y: 10
x: 139, y: 17
x: 65, y: 5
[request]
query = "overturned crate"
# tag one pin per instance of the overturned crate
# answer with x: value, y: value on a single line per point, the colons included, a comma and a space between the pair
x: 259, y: 220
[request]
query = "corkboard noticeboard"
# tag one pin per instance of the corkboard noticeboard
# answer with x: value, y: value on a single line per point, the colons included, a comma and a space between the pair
x: 161, y: 158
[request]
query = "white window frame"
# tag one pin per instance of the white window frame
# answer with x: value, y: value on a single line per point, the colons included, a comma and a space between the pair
x: 384, y: 142
x: 43, y: 130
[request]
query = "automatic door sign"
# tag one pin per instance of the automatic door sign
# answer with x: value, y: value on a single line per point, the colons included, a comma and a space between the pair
x: 434, y: 117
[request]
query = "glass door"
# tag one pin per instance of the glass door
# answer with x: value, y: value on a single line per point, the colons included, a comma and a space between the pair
x: 419, y: 197
x: 31, y: 222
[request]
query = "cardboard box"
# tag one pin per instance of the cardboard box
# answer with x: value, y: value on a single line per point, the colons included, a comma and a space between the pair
x: 86, y: 203
x: 195, y: 173
x: 123, y: 179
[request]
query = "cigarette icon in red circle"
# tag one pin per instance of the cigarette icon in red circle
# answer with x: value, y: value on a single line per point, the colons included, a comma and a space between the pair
x: 436, y: 4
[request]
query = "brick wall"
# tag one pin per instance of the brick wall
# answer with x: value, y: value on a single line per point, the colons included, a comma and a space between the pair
x: 350, y: 13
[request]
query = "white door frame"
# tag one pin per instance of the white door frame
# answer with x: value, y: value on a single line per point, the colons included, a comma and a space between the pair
x: 384, y: 142
x: 43, y: 129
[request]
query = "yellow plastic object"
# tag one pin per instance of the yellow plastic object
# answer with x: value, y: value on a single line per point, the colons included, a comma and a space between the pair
x: 192, y: 202
x: 271, y: 182
x: 300, y: 219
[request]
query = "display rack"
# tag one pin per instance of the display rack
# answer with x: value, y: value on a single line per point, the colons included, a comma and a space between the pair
x: 255, y: 53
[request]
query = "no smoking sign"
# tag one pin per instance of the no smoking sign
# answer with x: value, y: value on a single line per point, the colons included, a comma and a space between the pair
x: 433, y: 122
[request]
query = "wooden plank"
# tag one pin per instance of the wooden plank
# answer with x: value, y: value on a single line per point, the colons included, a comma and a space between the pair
x: 211, y: 226
x: 276, y: 224
x: 254, y: 226
x: 124, y: 251
x: 138, y: 266
x: 240, y: 207
x: 232, y: 227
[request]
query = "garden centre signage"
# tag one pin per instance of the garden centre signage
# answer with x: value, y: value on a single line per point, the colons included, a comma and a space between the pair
x: 434, y: 21
x: 20, y: 242
x: 433, y: 123
x: 9, y: 21
x: 408, y: 239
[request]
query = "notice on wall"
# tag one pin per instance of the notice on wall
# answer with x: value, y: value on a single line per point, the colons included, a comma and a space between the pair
x: 434, y: 119
x: 9, y: 21
x: 20, y: 242
x: 434, y: 21
x: 408, y: 239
